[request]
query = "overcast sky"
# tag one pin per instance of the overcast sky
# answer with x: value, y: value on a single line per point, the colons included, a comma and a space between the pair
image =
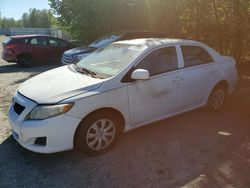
x: 16, y: 8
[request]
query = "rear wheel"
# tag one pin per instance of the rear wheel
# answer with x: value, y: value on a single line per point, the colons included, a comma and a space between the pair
x: 97, y: 133
x: 24, y: 61
x: 217, y: 98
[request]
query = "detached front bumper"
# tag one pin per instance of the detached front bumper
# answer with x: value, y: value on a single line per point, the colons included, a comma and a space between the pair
x: 58, y: 132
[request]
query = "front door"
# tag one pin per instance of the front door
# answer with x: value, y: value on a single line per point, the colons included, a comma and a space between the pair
x: 159, y: 96
x: 56, y: 48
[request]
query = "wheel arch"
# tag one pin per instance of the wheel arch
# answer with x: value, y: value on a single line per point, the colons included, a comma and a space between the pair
x: 222, y: 83
x: 110, y: 110
x: 24, y: 54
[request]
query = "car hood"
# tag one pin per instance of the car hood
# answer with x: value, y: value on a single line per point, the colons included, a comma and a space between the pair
x: 80, y: 50
x: 58, y: 84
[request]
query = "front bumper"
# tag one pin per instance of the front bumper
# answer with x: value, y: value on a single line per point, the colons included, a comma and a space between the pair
x: 59, y: 131
x: 67, y: 60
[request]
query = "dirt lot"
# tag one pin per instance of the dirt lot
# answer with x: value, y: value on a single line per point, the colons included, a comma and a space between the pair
x: 196, y: 149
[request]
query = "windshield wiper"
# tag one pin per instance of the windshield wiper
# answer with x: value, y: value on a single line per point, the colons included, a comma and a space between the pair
x: 87, y: 71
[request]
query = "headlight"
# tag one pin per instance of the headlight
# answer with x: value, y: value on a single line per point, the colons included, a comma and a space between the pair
x: 79, y: 57
x: 47, y: 111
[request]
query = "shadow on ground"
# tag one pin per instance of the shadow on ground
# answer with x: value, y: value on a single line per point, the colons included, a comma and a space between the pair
x: 197, y: 148
x: 13, y: 68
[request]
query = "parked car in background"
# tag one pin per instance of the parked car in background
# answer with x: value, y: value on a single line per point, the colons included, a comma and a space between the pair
x: 76, y: 43
x: 77, y: 54
x: 115, y: 89
x: 27, y: 50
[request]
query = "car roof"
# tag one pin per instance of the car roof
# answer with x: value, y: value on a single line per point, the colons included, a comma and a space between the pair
x: 137, y: 32
x: 152, y: 42
x: 29, y: 36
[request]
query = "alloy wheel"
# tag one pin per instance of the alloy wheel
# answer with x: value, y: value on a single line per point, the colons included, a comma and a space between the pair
x: 218, y: 98
x: 100, y: 134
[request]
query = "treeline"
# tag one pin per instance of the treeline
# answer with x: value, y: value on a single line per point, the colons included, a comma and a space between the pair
x: 222, y: 24
x: 34, y: 18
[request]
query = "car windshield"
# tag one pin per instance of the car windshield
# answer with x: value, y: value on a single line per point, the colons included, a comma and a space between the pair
x: 104, y: 41
x: 109, y: 61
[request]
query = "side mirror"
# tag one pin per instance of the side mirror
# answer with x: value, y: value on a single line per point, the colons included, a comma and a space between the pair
x: 140, y: 74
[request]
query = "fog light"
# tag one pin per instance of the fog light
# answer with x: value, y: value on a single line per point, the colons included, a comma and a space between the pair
x: 42, y: 141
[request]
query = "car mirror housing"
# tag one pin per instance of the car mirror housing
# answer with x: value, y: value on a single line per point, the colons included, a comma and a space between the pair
x: 140, y: 74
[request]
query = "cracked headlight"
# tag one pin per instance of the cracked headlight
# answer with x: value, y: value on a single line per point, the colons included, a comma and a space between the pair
x: 41, y: 112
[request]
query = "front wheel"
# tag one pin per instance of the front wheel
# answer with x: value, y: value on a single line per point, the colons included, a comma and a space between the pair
x: 217, y: 99
x: 97, y: 134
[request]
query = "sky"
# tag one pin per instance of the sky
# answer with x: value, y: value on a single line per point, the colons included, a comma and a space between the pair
x: 16, y: 8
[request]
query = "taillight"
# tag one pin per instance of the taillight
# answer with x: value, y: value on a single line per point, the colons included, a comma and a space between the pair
x: 10, y: 46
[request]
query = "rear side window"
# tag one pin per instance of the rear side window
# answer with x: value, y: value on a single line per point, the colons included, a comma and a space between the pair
x: 20, y: 41
x: 160, y: 61
x: 38, y: 41
x: 56, y: 42
x: 194, y: 55
x: 23, y: 41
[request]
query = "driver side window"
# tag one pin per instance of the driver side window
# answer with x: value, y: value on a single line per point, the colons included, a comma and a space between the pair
x: 160, y: 61
x: 56, y: 42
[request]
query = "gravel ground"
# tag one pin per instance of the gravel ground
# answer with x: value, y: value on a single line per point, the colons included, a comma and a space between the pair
x: 196, y: 149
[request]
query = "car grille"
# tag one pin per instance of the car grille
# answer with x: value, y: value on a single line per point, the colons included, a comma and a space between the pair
x: 18, y: 108
x: 67, y: 59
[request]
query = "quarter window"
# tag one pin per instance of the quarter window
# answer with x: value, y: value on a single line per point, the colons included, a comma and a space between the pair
x: 194, y: 55
x: 160, y: 61
x: 38, y: 41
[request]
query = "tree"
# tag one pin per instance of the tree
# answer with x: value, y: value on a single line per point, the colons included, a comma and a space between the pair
x: 8, y: 22
x: 25, y: 20
x: 223, y: 24
x: 34, y: 18
x: 0, y: 19
x: 37, y: 18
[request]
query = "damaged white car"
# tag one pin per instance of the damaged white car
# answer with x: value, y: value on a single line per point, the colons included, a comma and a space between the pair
x: 121, y: 87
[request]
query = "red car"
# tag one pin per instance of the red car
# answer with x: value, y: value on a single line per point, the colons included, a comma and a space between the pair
x: 27, y: 50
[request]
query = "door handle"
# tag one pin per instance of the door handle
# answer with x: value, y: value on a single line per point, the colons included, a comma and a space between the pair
x: 177, y: 79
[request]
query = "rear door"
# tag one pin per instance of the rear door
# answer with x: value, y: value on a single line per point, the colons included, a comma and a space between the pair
x: 56, y: 48
x: 198, y: 74
x: 38, y: 48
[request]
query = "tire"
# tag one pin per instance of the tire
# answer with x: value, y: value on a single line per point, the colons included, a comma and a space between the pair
x: 217, y: 98
x: 97, y: 134
x: 24, y: 61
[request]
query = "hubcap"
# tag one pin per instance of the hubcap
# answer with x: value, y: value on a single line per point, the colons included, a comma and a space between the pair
x: 100, y: 134
x: 218, y: 98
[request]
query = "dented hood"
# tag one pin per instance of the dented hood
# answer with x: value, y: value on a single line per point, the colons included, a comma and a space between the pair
x: 57, y: 84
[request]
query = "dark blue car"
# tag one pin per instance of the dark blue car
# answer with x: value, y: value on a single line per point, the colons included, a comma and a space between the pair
x: 76, y: 54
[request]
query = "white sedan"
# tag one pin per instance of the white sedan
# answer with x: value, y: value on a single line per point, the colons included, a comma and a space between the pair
x: 121, y: 87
